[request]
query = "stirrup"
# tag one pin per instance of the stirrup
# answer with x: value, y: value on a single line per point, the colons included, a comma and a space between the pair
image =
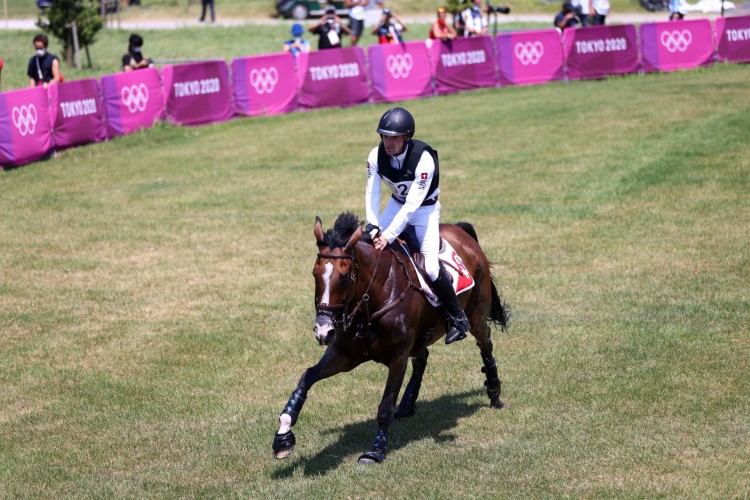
x: 457, y: 329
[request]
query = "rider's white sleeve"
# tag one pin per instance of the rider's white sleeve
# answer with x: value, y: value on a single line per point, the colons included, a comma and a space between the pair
x: 414, y: 198
x: 372, y: 191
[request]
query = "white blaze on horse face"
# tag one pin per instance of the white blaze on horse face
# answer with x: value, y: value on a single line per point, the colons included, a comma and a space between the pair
x: 325, y: 299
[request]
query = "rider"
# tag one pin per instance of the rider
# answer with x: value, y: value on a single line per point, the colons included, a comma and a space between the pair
x: 410, y: 169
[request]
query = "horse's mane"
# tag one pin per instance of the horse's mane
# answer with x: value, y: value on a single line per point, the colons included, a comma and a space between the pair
x: 338, y: 236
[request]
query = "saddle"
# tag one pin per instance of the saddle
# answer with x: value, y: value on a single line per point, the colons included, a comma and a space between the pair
x: 462, y: 280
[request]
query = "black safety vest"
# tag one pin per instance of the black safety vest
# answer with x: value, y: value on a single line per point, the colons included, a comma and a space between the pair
x: 406, y: 172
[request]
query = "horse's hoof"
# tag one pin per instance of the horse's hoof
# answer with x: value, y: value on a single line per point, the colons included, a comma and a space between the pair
x: 283, y: 453
x: 283, y: 444
x: 402, y: 413
x: 372, y: 457
x: 497, y: 404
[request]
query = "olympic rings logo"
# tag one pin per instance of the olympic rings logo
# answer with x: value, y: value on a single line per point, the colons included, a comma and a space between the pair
x: 399, y: 65
x: 264, y: 80
x: 529, y: 52
x: 676, y: 40
x: 25, y: 118
x: 135, y: 97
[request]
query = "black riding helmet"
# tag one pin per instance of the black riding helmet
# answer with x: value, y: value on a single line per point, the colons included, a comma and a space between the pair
x: 397, y: 121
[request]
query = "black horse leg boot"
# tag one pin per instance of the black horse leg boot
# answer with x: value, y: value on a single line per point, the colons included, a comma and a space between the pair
x: 459, y: 323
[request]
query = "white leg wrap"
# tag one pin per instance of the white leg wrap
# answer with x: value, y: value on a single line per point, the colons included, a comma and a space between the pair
x: 285, y: 423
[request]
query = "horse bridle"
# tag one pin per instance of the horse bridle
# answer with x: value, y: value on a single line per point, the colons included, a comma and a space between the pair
x: 329, y: 310
x: 351, y: 277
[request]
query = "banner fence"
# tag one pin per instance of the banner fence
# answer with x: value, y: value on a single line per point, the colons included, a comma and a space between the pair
x: 35, y: 121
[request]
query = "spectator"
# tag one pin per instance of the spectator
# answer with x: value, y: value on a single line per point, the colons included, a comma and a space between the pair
x: 677, y: 10
x: 44, y: 68
x: 208, y: 4
x: 566, y: 18
x: 329, y: 30
x: 582, y: 8
x: 297, y: 44
x: 474, y: 23
x: 356, y: 18
x: 601, y: 10
x: 390, y: 28
x: 134, y: 58
x: 1, y: 72
x: 440, y: 29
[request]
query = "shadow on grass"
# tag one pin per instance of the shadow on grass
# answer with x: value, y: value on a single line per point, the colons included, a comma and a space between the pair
x: 432, y: 421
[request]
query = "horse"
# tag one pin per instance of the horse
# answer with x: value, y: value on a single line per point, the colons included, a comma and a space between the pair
x: 369, y: 308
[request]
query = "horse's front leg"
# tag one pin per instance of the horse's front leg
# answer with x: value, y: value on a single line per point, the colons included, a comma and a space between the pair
x: 334, y: 361
x: 396, y: 372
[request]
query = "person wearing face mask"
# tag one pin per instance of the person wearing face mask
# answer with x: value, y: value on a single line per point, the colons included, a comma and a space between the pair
x: 44, y: 68
x: 474, y: 23
x: 410, y: 169
x: 441, y: 30
x: 134, y: 58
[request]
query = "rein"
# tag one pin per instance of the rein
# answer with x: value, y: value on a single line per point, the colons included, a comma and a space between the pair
x: 348, y: 318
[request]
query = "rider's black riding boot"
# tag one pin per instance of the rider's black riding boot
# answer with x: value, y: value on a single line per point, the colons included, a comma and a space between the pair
x: 459, y: 323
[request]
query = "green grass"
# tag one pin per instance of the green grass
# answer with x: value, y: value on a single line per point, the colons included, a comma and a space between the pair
x: 156, y: 303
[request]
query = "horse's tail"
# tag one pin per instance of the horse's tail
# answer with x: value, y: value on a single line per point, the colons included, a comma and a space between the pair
x: 468, y: 228
x: 499, y: 310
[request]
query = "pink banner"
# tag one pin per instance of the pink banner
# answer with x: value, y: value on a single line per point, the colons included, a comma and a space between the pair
x: 670, y: 46
x: 132, y: 100
x: 25, y: 128
x: 400, y: 71
x: 599, y: 51
x: 197, y: 93
x: 463, y: 64
x: 264, y: 85
x: 530, y: 57
x: 332, y: 77
x: 733, y: 38
x: 76, y: 113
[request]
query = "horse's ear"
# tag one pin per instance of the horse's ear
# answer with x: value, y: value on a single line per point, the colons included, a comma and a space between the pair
x: 353, y: 239
x: 318, y: 229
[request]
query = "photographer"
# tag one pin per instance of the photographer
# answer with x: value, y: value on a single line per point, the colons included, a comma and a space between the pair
x: 329, y: 30
x: 566, y: 18
x: 390, y: 28
x: 474, y: 23
x: 297, y: 44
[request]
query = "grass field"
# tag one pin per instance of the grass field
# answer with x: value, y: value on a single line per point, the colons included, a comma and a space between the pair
x: 156, y: 303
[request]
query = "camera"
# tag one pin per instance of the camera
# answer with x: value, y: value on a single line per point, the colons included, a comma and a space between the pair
x: 497, y: 10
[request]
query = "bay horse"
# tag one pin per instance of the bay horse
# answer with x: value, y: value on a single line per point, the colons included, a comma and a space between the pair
x: 369, y: 307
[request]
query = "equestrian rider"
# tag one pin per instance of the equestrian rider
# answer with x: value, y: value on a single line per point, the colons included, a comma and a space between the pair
x: 410, y: 169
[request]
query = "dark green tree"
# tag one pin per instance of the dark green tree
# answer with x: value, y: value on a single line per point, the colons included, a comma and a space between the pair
x: 60, y: 16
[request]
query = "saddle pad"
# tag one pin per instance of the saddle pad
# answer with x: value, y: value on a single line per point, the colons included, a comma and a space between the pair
x: 460, y: 277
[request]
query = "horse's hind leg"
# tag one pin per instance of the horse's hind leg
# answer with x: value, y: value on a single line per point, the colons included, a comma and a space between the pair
x: 492, y: 382
x: 332, y: 362
x: 408, y: 401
